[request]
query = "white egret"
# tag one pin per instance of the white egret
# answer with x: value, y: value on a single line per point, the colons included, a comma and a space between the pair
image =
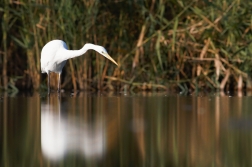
x: 55, y: 54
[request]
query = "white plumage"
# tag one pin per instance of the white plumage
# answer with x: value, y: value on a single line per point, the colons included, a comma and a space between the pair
x: 55, y: 54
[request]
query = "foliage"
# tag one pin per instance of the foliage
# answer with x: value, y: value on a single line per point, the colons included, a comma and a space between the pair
x: 159, y: 44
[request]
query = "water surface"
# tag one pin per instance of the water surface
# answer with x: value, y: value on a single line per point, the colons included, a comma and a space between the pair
x: 117, y: 129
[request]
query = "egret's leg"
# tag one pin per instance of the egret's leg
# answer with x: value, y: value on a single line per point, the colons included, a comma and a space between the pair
x: 59, y: 83
x: 48, y: 84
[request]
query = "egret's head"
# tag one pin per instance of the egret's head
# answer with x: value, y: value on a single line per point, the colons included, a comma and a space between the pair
x: 103, y: 52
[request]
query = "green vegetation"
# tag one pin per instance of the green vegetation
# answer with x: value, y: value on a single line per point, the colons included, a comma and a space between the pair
x: 158, y: 44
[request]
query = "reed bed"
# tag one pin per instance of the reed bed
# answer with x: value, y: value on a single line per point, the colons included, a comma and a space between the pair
x: 159, y: 45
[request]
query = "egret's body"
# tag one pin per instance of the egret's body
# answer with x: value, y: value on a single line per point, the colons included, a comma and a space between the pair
x: 55, y: 54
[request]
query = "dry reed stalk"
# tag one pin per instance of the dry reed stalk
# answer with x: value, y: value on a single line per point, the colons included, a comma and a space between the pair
x: 104, y: 72
x: 79, y: 80
x: 82, y: 75
x: 32, y: 70
x: 224, y: 81
x: 97, y: 67
x: 236, y: 70
x: 5, y: 49
x: 139, y: 47
x: 239, y: 83
x: 4, y: 62
x: 157, y: 48
x: 72, y: 75
x: 249, y: 84
x: 217, y: 63
x: 202, y: 54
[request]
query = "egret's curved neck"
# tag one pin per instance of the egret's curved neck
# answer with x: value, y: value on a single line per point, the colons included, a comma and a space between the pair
x: 68, y: 54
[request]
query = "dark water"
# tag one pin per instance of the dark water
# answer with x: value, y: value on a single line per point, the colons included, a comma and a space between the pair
x: 147, y: 129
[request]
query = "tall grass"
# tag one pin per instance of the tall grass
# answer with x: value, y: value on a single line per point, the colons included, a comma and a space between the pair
x: 159, y: 44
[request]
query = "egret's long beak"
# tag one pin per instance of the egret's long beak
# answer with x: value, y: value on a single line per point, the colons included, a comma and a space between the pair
x: 110, y: 58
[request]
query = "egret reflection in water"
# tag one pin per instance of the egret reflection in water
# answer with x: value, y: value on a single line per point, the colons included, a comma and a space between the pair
x: 94, y: 129
x: 63, y: 133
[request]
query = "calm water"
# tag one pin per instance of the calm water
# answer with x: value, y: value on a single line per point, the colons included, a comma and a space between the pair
x: 99, y: 129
